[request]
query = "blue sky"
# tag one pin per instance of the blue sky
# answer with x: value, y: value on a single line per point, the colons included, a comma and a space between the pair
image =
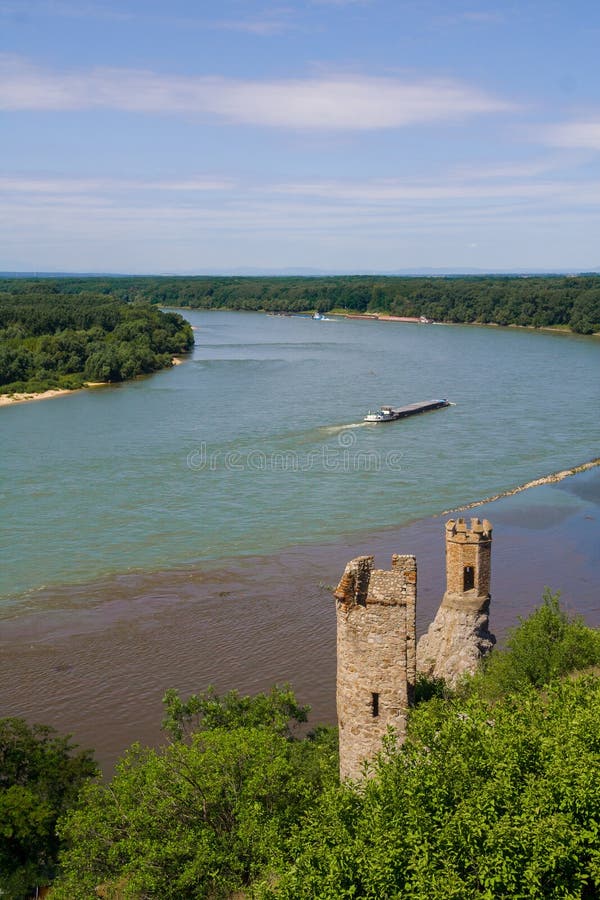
x: 339, y: 135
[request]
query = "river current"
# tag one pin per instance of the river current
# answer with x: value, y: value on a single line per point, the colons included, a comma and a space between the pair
x: 257, y: 443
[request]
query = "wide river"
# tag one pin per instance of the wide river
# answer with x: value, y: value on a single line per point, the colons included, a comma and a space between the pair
x: 181, y: 528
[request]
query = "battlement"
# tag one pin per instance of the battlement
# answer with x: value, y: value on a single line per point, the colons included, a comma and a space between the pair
x: 457, y: 530
x: 362, y: 585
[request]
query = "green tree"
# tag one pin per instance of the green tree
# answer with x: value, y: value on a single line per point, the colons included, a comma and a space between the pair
x: 277, y: 710
x: 481, y: 802
x: 40, y: 775
x: 205, y: 815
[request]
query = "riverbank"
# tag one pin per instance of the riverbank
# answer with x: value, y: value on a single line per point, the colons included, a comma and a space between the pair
x: 7, y: 399
x: 423, y: 320
x: 27, y: 397
x: 95, y: 659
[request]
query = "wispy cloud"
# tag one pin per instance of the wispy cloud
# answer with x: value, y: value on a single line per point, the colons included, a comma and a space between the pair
x: 331, y: 102
x: 581, y: 135
x: 394, y: 192
x: 68, y: 186
x: 220, y: 198
x: 471, y: 17
x: 265, y: 24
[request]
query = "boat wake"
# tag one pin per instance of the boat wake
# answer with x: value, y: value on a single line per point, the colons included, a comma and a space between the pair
x: 336, y: 429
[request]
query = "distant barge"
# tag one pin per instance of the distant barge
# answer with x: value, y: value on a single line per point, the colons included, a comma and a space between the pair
x: 391, y: 413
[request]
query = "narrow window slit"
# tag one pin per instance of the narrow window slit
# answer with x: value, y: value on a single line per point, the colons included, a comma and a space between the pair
x: 375, y: 705
x: 468, y: 578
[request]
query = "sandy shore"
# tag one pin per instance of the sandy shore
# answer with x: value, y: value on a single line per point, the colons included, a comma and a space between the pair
x: 7, y: 399
x: 537, y: 482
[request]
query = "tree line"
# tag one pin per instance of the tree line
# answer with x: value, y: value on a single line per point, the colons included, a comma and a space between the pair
x: 52, y: 338
x: 494, y: 794
x: 572, y: 302
x: 537, y: 301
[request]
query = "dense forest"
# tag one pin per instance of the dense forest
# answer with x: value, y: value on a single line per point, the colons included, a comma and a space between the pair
x: 495, y: 793
x: 538, y: 301
x: 50, y: 338
x: 549, y: 301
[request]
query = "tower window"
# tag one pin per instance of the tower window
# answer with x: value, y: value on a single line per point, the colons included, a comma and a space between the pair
x: 375, y: 705
x: 468, y: 578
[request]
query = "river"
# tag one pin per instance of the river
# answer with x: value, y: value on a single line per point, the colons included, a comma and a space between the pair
x: 183, y: 529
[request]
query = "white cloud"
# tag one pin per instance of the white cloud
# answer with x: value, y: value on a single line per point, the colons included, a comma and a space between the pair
x: 582, y: 135
x: 33, y: 185
x: 395, y: 191
x: 331, y: 102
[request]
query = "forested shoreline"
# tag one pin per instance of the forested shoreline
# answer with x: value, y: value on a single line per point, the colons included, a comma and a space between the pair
x: 54, y: 339
x: 537, y: 301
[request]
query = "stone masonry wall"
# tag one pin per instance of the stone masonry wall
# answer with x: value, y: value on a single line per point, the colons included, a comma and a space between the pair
x: 376, y: 656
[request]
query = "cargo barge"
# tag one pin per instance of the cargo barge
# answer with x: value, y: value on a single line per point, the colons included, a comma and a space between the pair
x: 391, y: 413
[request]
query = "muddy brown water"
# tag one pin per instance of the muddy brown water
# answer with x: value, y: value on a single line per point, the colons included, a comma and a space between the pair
x: 96, y: 659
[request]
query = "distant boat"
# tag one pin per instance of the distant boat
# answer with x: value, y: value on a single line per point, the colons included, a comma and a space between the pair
x: 391, y: 413
x: 318, y: 316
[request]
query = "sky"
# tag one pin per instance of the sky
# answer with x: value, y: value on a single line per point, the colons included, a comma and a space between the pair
x: 181, y: 137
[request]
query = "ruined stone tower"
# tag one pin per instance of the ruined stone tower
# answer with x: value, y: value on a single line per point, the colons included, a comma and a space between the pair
x: 459, y: 636
x: 376, y: 657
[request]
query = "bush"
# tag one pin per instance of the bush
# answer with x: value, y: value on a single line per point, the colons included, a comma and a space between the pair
x: 545, y: 646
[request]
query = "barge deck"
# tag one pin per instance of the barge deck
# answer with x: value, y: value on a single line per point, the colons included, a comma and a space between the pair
x: 393, y: 413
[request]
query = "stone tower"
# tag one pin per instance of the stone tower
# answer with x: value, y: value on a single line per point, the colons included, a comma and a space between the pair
x: 376, y: 658
x: 459, y: 637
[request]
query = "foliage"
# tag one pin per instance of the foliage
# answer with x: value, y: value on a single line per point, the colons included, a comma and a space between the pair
x: 276, y: 710
x: 50, y: 339
x: 505, y: 300
x: 545, y: 646
x: 427, y: 687
x: 203, y: 816
x: 40, y: 775
x: 478, y: 803
x: 495, y: 793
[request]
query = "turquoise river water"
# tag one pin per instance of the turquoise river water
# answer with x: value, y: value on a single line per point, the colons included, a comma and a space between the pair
x: 255, y: 443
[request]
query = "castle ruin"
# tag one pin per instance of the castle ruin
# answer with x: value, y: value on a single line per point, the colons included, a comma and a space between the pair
x: 377, y: 654
x: 459, y: 635
x: 376, y: 659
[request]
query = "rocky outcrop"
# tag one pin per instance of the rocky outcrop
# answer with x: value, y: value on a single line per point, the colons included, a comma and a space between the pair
x: 455, y: 643
x: 459, y: 636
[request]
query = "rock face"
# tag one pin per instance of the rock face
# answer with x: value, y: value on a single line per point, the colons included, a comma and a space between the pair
x: 459, y: 636
x: 376, y: 658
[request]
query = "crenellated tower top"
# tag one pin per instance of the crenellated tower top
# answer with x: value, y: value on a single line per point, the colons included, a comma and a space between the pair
x: 468, y: 564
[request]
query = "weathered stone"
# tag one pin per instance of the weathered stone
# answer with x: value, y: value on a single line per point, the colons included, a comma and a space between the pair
x: 375, y: 656
x: 459, y: 636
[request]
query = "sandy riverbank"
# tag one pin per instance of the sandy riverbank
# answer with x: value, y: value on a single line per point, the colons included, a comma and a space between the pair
x: 7, y: 399
x: 537, y: 482
x: 24, y: 397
